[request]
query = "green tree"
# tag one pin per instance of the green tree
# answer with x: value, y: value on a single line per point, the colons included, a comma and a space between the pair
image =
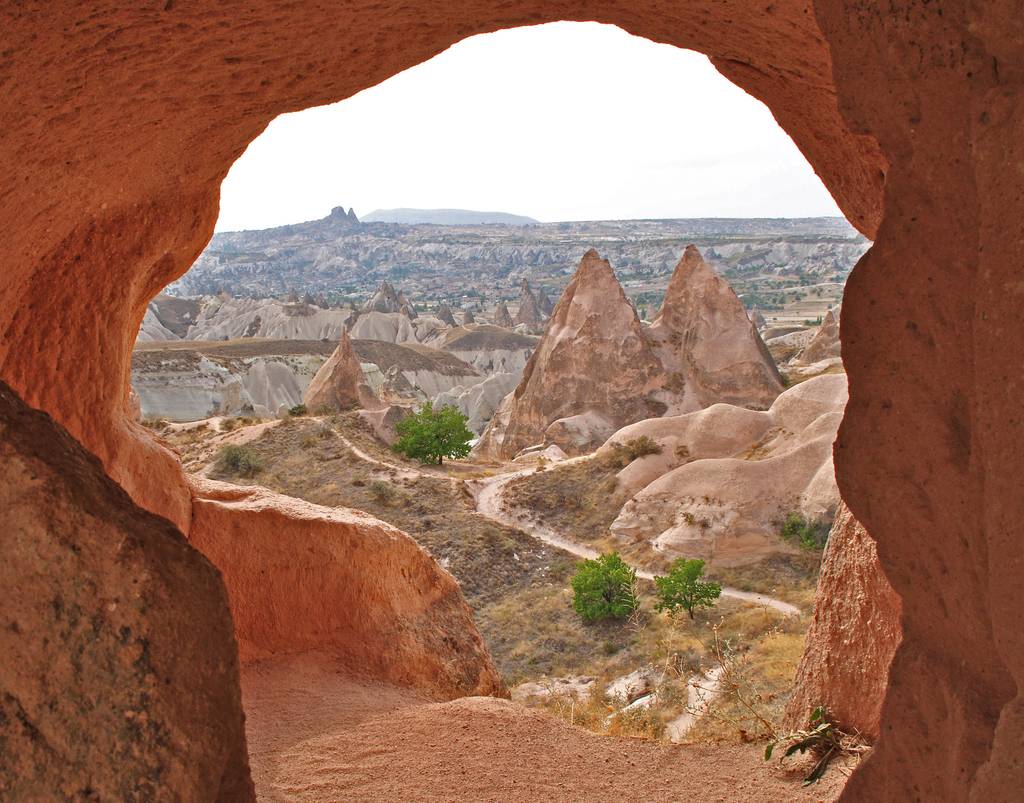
x: 683, y: 587
x: 604, y: 588
x: 430, y: 435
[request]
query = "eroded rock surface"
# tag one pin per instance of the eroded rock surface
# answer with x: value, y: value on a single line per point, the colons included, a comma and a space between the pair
x: 598, y: 368
x: 119, y: 676
x: 593, y: 356
x: 303, y: 578
x: 708, y: 345
x: 856, y: 613
x: 726, y: 477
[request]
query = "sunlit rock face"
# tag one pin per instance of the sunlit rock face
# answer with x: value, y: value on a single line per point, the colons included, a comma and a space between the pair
x: 593, y: 356
x: 704, y: 338
x: 598, y: 368
x: 302, y: 577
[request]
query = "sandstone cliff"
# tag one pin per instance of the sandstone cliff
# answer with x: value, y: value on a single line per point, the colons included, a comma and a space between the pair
x: 339, y: 384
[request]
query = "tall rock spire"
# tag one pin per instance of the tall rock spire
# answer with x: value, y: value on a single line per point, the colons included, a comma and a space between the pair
x: 704, y: 335
x: 593, y: 365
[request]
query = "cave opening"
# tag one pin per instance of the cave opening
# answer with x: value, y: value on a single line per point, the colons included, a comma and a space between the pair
x: 173, y: 95
x: 234, y: 347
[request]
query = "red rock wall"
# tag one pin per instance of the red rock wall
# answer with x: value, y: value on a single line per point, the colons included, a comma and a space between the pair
x: 853, y: 636
x: 303, y: 577
x: 930, y: 450
x: 118, y: 667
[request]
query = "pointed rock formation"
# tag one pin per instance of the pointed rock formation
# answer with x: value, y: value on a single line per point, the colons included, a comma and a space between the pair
x: 825, y: 342
x: 384, y: 300
x: 444, y: 314
x: 502, y: 317
x: 757, y: 318
x: 593, y: 361
x: 704, y: 337
x: 293, y: 297
x: 468, y: 317
x: 544, y: 302
x: 339, y: 384
x: 409, y: 311
x: 530, y: 313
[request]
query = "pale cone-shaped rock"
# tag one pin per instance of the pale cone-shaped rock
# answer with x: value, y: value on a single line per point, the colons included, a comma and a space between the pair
x: 119, y: 673
x: 502, y: 317
x: 302, y: 577
x: 856, y: 612
x: 339, y: 384
x: 529, y: 313
x: 703, y: 334
x: 824, y: 343
x: 593, y: 356
x: 444, y: 314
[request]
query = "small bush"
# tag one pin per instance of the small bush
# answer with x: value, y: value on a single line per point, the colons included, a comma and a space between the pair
x: 641, y: 447
x: 604, y: 588
x: 298, y: 410
x: 383, y: 492
x: 809, y: 535
x: 240, y: 461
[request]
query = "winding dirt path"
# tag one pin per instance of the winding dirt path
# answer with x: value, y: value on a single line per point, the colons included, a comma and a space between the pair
x: 488, y: 495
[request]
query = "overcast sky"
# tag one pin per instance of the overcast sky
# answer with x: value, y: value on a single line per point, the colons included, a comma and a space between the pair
x: 569, y: 121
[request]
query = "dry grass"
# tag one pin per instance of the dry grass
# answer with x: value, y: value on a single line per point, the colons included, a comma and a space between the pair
x: 581, y: 499
x: 519, y: 588
x: 790, y: 577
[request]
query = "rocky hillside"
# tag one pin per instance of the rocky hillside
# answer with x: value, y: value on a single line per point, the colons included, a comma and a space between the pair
x: 188, y: 381
x: 340, y: 254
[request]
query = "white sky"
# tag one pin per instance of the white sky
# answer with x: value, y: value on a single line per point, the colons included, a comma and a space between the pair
x: 568, y: 121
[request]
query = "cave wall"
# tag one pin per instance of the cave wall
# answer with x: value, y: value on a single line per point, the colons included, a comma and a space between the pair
x: 118, y: 667
x: 929, y: 451
x: 117, y: 124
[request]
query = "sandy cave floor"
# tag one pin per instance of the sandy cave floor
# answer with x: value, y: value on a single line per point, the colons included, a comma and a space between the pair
x: 317, y: 734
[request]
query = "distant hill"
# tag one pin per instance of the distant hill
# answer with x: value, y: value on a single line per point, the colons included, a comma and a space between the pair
x: 446, y: 217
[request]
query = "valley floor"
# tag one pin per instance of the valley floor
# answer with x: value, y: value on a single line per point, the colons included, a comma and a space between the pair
x: 316, y: 734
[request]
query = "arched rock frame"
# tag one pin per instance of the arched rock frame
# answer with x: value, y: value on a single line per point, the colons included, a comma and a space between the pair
x: 118, y: 123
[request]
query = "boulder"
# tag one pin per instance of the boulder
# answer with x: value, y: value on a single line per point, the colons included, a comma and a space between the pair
x: 119, y: 678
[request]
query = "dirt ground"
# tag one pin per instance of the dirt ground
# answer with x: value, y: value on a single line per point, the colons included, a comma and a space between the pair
x: 316, y: 734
